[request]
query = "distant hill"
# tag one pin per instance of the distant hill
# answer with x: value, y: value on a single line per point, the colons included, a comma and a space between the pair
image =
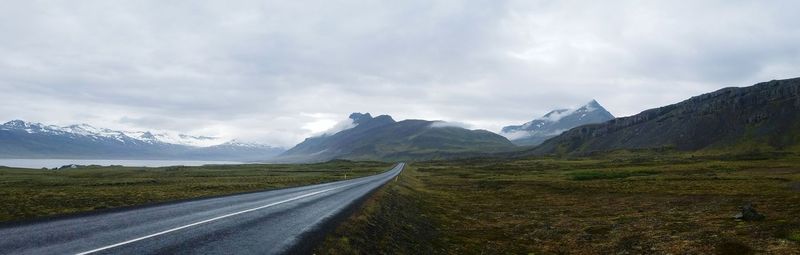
x: 766, y: 115
x: 554, y: 123
x: 20, y: 139
x: 382, y: 138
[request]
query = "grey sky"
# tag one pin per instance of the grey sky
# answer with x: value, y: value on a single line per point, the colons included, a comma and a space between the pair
x: 278, y: 71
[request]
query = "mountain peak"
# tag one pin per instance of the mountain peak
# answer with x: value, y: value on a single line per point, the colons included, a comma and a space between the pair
x: 363, y: 118
x: 16, y: 123
x: 84, y: 128
x: 21, y: 124
x: 384, y: 118
x: 148, y: 135
x: 359, y: 118
x: 555, y: 122
x: 592, y: 105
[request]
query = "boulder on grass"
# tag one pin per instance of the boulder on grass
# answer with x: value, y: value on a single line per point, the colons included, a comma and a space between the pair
x: 748, y: 213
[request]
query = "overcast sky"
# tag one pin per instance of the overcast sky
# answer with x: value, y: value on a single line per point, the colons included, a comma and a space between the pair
x: 278, y: 71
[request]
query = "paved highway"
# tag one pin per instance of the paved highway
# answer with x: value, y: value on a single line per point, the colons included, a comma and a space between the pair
x: 269, y: 222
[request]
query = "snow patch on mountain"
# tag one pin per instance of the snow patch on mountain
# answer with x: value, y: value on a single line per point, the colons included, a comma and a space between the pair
x: 90, y: 131
x: 174, y: 138
x: 237, y: 143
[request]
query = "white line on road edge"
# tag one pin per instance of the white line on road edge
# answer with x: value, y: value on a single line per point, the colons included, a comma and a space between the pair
x: 220, y: 217
x: 208, y: 220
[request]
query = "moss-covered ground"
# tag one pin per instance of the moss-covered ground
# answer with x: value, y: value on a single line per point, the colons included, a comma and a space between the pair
x: 28, y: 194
x: 617, y: 203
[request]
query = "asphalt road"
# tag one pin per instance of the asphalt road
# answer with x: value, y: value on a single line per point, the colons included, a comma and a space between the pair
x: 269, y: 222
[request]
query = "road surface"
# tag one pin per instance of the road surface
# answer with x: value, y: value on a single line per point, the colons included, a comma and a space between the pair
x: 269, y: 222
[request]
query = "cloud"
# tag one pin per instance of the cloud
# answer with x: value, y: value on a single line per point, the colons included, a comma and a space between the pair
x: 516, y: 134
x: 339, y: 127
x: 444, y: 124
x: 558, y: 115
x: 255, y: 69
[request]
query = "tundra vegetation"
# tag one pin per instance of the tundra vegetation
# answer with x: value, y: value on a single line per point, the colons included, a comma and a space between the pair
x: 654, y: 202
x: 34, y: 193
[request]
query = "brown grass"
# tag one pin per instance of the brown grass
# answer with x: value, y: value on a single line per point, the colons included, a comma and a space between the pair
x: 671, y: 204
x: 29, y: 194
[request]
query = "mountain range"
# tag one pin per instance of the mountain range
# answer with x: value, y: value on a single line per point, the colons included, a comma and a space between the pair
x: 762, y: 116
x: 554, y: 123
x: 20, y: 139
x: 383, y: 138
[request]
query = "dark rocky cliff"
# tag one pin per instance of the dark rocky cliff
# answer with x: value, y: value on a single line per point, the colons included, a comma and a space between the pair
x: 766, y: 114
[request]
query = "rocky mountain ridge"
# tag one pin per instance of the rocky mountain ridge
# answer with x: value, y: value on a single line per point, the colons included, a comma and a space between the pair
x: 383, y: 138
x: 763, y: 115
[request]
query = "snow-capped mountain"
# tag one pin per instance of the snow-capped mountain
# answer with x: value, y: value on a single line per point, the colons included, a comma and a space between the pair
x: 27, y: 139
x: 237, y: 143
x: 556, y: 122
x: 90, y: 131
x: 173, y: 138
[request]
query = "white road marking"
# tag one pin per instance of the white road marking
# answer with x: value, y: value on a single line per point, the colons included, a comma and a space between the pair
x: 209, y: 220
x: 222, y: 217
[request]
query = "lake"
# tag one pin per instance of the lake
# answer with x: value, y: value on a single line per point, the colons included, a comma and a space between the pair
x: 52, y: 163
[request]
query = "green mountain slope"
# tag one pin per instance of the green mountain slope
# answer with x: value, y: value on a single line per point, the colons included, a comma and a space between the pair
x: 763, y: 116
x: 382, y: 138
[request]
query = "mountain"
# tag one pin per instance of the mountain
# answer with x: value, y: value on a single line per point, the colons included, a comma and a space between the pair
x: 765, y: 115
x: 554, y: 123
x: 235, y: 151
x: 383, y: 138
x: 20, y: 139
x: 172, y: 138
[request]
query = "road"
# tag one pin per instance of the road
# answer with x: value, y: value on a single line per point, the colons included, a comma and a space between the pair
x: 268, y: 222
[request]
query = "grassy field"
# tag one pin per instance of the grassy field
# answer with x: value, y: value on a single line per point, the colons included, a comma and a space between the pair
x: 27, y: 194
x: 621, y: 203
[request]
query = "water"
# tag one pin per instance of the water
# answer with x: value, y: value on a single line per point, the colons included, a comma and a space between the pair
x: 52, y: 163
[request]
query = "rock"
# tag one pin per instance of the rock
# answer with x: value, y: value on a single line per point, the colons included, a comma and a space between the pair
x: 70, y: 166
x: 748, y: 213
